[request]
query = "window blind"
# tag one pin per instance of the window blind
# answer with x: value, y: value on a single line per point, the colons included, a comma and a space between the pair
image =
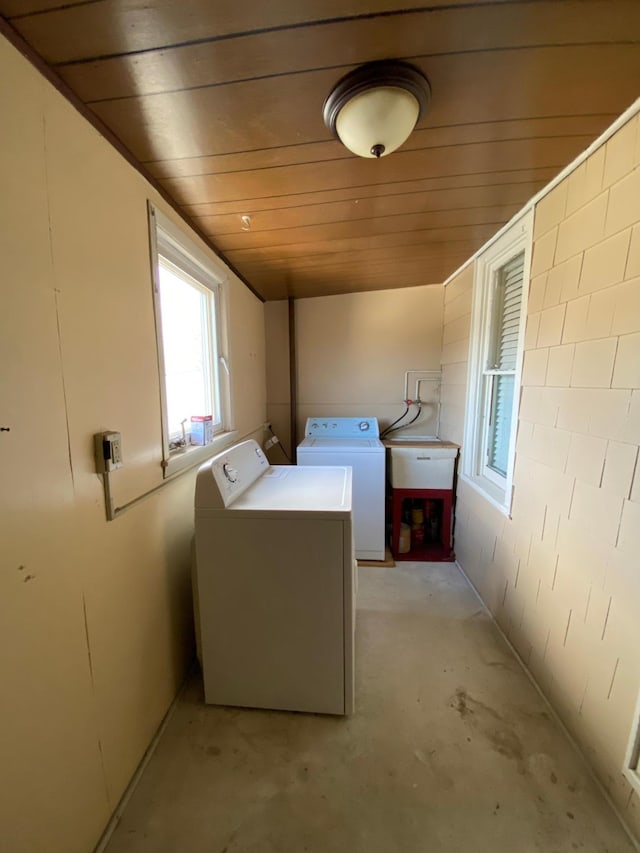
x: 507, y: 318
x: 507, y: 324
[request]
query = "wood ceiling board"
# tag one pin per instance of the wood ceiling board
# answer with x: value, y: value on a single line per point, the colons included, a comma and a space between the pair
x: 21, y: 8
x: 539, y: 175
x: 424, y: 268
x: 309, y: 285
x: 422, y: 138
x: 357, y: 172
x: 352, y: 42
x: 370, y: 208
x: 125, y: 26
x: 268, y: 275
x: 288, y: 110
x: 381, y: 254
x: 393, y: 277
x: 218, y: 120
x: 264, y: 275
x: 314, y: 288
x: 431, y: 270
x: 468, y: 233
x: 279, y: 284
x: 390, y: 269
x: 262, y: 158
x: 245, y: 134
x: 376, y: 227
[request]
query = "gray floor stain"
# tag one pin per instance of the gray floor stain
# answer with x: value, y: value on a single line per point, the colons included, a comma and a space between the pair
x: 489, y: 723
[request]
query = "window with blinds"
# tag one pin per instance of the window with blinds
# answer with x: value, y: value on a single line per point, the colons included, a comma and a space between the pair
x: 502, y: 358
x: 500, y: 287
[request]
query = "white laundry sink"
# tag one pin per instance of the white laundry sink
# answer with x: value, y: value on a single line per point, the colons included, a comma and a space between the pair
x: 429, y: 466
x: 412, y: 437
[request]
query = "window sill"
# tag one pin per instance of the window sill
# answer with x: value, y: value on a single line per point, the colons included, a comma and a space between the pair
x: 489, y: 491
x: 632, y: 777
x: 193, y: 455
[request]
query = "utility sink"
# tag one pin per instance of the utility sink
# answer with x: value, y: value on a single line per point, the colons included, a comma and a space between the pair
x: 409, y: 437
x: 429, y: 466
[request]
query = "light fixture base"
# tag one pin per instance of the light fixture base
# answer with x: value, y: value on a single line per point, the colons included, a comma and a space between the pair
x: 385, y: 73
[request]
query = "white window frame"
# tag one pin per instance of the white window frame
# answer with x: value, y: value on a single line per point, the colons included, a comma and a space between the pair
x: 474, y: 470
x: 168, y: 241
x: 631, y: 767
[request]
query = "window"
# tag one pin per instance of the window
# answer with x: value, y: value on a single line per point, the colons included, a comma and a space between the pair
x: 495, y: 361
x: 190, y: 330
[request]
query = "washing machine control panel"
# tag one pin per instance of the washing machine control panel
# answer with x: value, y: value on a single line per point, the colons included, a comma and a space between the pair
x: 342, y: 428
x: 235, y: 469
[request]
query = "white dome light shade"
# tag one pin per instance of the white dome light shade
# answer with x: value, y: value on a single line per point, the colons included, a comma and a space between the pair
x: 379, y: 119
x: 374, y: 108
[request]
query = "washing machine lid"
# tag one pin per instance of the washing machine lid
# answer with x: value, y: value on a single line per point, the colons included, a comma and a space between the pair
x: 334, y: 445
x: 298, y: 488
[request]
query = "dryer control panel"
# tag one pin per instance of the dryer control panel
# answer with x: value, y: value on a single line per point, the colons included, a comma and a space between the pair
x: 342, y: 428
x: 225, y: 477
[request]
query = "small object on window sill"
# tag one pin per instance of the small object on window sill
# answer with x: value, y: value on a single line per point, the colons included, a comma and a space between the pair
x: 201, y: 429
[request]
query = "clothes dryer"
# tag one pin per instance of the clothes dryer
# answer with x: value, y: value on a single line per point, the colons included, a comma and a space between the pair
x: 275, y: 583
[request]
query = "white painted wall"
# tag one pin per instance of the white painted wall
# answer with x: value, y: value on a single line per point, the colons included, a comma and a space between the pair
x: 95, y: 617
x: 276, y: 315
x: 352, y: 352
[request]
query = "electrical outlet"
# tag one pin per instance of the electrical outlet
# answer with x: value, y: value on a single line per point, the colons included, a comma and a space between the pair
x: 108, y: 446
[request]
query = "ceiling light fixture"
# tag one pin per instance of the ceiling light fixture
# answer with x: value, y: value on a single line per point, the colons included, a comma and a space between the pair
x: 373, y: 109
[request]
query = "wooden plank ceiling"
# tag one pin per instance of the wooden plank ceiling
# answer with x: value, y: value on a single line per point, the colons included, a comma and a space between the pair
x: 222, y: 104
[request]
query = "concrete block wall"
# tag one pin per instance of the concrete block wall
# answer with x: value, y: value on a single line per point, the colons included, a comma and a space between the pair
x: 562, y: 574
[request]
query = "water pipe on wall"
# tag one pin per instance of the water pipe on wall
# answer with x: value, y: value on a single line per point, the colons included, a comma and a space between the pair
x: 427, y: 376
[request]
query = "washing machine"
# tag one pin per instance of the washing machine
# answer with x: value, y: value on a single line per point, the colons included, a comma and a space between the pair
x: 354, y: 442
x: 274, y: 583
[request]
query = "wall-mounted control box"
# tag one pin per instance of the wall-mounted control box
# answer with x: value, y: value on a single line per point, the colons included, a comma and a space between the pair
x: 108, y: 446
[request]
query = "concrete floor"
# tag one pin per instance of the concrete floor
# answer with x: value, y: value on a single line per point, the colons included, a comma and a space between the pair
x: 451, y: 749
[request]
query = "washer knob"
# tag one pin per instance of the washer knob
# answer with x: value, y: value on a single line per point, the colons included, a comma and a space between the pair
x: 364, y: 426
x: 230, y: 472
